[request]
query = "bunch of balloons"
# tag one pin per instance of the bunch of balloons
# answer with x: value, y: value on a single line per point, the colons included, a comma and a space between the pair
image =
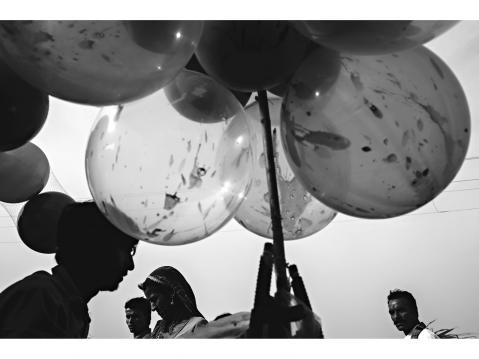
x: 366, y: 121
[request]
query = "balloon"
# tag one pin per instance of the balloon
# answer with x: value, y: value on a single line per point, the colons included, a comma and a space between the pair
x: 23, y: 110
x: 23, y: 173
x: 369, y: 37
x: 302, y: 214
x: 199, y: 98
x: 14, y: 209
x: 163, y: 178
x: 38, y: 220
x: 98, y: 62
x: 375, y: 136
x: 250, y: 55
x: 194, y: 65
x: 279, y: 90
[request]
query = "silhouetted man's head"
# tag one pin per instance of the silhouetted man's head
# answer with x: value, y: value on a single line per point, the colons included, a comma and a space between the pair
x: 403, y: 310
x: 91, y: 248
x: 138, y: 315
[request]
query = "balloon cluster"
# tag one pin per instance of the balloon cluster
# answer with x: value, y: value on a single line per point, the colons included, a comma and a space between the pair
x: 368, y: 121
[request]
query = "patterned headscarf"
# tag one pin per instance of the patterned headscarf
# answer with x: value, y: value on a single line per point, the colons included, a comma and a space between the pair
x: 171, y: 278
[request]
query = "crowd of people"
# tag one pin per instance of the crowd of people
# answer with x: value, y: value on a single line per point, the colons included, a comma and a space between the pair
x: 92, y: 256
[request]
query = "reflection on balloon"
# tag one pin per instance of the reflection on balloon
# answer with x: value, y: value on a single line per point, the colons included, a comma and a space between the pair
x: 302, y: 214
x: 199, y: 98
x: 23, y: 173
x: 98, y: 62
x: 23, y: 110
x: 38, y: 220
x: 381, y: 136
x: 372, y: 36
x: 251, y: 55
x: 194, y: 65
x: 163, y: 178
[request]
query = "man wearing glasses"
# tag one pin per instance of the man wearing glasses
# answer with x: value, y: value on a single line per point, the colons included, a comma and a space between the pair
x: 92, y: 256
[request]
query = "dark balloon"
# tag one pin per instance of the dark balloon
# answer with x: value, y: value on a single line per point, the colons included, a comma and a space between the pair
x: 372, y: 37
x: 23, y: 110
x: 161, y: 37
x: 194, y: 65
x: 279, y: 90
x: 38, y: 220
x: 98, y: 62
x: 24, y: 173
x: 251, y: 55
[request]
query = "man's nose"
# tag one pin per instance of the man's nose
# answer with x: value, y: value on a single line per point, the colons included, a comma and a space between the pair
x: 131, y: 263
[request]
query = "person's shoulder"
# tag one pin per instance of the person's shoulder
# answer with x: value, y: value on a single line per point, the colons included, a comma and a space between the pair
x: 37, y: 280
x: 427, y: 334
x: 197, y: 321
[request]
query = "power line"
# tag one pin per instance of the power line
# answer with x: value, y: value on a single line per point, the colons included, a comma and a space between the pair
x: 341, y: 221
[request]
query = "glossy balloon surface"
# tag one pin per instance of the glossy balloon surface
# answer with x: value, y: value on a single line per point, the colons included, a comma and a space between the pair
x: 163, y: 178
x: 251, y: 55
x: 375, y: 136
x: 23, y: 110
x: 24, y: 173
x: 98, y: 62
x: 194, y: 65
x: 368, y: 37
x: 39, y: 218
x: 198, y: 97
x: 302, y: 214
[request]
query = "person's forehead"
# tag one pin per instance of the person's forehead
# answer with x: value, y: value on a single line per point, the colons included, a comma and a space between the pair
x: 156, y: 289
x: 129, y: 311
x: 399, y: 303
x: 150, y: 291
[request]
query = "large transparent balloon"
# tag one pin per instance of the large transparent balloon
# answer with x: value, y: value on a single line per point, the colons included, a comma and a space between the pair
x: 375, y: 136
x: 98, y: 62
x: 368, y: 37
x: 166, y: 179
x: 302, y: 214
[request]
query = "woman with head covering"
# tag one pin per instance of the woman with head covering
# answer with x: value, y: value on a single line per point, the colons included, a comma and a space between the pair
x: 172, y: 298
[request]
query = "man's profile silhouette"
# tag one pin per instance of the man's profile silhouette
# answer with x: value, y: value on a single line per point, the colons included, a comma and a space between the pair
x: 92, y: 256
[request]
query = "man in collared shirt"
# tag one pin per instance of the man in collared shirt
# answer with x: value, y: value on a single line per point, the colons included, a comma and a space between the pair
x: 92, y: 256
x: 405, y: 316
x: 138, y: 317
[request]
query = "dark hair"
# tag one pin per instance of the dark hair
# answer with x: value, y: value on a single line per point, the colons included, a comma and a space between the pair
x: 170, y: 281
x: 148, y: 283
x: 86, y: 236
x: 141, y: 304
x: 398, y: 293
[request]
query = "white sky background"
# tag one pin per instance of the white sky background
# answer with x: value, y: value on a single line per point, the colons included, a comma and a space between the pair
x: 348, y: 268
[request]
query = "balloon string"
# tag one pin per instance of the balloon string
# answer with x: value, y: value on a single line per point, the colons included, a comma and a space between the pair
x: 282, y: 282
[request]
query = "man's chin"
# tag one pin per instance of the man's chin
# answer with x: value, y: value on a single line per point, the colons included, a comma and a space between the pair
x: 112, y: 287
x: 400, y: 327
